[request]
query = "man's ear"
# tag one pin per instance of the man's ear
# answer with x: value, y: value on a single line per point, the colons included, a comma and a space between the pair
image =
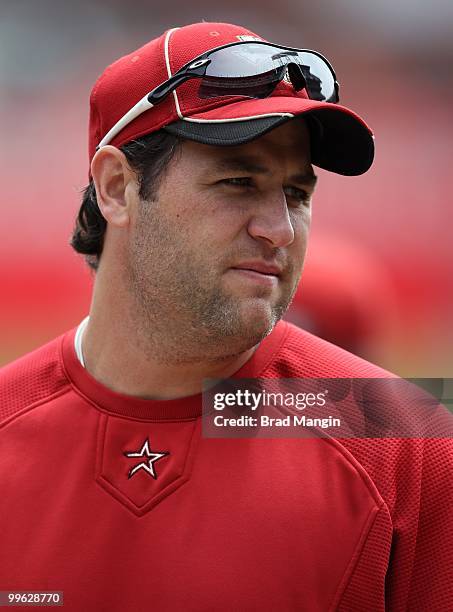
x: 112, y: 175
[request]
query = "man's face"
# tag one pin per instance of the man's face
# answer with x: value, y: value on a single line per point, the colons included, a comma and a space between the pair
x: 220, y: 211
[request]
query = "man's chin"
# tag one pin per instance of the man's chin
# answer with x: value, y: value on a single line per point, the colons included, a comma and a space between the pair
x: 239, y: 328
x: 258, y: 320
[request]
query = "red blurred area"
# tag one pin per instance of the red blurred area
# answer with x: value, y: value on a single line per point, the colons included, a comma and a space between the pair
x: 346, y: 295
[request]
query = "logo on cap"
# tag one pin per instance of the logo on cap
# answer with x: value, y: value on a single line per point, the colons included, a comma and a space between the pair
x: 245, y: 37
x: 287, y: 78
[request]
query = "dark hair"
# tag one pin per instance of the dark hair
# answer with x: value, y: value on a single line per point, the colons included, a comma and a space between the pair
x: 148, y: 156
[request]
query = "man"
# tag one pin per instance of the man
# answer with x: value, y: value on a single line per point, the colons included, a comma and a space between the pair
x: 196, y: 221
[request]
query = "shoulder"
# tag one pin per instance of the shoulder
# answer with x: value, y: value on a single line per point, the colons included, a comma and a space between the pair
x: 304, y: 355
x: 402, y: 432
x: 32, y: 379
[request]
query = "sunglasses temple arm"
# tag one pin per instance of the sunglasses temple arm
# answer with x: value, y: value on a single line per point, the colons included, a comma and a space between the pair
x: 161, y: 91
x: 141, y: 106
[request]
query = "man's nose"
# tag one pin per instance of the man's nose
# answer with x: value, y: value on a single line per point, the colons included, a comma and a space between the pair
x: 271, y: 221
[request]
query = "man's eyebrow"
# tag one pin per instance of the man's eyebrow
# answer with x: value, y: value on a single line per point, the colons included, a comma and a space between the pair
x: 240, y: 164
x: 252, y: 166
x: 305, y: 178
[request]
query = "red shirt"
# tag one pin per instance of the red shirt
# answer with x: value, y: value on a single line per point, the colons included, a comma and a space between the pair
x: 213, y: 524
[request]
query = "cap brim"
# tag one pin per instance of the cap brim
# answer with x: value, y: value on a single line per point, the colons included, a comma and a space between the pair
x: 341, y: 141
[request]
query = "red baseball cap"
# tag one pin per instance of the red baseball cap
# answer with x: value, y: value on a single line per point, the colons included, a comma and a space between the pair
x: 340, y: 140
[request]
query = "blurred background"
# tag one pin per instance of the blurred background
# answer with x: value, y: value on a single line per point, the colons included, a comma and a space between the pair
x: 378, y: 277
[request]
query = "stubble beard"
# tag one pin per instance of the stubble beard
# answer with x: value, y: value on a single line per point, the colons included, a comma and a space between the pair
x: 180, y: 313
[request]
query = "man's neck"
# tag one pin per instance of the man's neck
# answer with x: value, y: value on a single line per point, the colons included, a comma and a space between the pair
x: 113, y: 357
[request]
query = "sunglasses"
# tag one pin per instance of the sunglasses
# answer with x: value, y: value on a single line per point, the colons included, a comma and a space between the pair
x: 250, y: 69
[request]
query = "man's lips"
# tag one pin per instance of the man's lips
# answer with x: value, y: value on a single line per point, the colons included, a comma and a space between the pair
x: 258, y: 272
x: 260, y: 267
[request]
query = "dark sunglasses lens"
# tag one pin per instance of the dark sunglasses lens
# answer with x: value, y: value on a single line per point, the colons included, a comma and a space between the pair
x: 248, y: 69
x: 318, y: 76
x: 256, y: 86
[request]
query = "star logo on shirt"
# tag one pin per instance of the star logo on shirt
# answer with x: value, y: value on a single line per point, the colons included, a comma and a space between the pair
x: 151, y: 458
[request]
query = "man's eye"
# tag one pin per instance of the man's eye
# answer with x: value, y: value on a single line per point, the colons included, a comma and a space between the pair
x: 300, y: 195
x: 240, y: 181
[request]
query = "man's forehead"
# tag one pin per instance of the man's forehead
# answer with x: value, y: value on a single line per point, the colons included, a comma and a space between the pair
x: 301, y: 169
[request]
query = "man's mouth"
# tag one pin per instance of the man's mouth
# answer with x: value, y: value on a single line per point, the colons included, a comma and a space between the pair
x: 260, y: 267
x: 258, y: 272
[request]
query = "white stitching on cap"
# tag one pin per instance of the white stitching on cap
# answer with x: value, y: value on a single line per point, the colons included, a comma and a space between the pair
x: 196, y: 120
x: 167, y: 61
